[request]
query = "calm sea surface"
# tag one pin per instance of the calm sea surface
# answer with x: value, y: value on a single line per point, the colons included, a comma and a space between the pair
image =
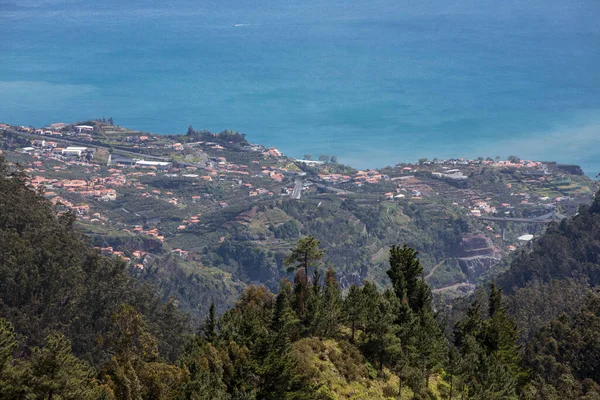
x: 372, y: 82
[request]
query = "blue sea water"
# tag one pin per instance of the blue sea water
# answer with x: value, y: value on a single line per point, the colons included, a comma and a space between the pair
x: 372, y: 82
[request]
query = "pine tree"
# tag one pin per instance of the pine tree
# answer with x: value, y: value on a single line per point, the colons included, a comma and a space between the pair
x: 386, y: 336
x: 354, y: 310
x: 301, y: 296
x: 8, y: 343
x: 57, y: 373
x: 382, y: 344
x: 277, y: 367
x: 332, y: 305
x: 11, y: 376
x: 285, y: 321
x: 421, y: 336
x: 405, y: 273
x: 501, y: 335
x: 430, y: 345
x: 206, y: 371
x: 453, y: 370
x: 136, y: 369
x: 371, y: 300
x: 471, y: 326
x: 315, y: 306
x: 307, y: 253
x: 210, y: 325
x: 491, y: 359
x: 248, y: 322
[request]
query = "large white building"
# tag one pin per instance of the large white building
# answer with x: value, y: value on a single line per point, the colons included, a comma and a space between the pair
x: 144, y: 163
x: 73, y: 150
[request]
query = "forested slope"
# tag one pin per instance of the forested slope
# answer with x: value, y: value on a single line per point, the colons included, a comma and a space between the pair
x: 75, y: 325
x: 569, y: 249
x: 554, y: 297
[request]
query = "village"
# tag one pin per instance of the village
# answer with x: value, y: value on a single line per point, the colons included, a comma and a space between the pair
x: 161, y: 186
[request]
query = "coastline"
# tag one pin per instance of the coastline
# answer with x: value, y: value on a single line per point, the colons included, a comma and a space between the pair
x: 380, y: 157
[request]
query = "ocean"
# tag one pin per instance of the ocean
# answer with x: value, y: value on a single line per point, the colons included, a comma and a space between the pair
x: 374, y: 83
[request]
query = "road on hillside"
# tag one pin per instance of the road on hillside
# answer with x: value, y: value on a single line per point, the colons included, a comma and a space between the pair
x: 331, y: 188
x: 297, y: 192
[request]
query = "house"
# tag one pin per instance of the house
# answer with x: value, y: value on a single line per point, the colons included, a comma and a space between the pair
x: 58, y: 125
x: 83, y: 128
x: 182, y: 253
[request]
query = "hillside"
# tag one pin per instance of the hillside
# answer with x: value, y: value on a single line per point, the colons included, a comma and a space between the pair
x: 205, y: 215
x: 553, y: 294
x: 568, y: 249
x: 75, y: 325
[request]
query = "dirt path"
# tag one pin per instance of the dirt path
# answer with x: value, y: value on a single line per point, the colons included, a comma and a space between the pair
x: 452, y: 287
x: 377, y: 255
x: 433, y: 269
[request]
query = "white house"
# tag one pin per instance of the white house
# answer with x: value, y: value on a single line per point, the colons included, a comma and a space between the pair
x: 84, y: 128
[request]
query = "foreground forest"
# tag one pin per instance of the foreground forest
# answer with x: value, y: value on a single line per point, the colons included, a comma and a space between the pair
x: 76, y: 325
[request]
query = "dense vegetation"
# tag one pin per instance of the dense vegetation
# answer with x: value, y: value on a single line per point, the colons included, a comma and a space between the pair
x: 225, y: 136
x: 569, y: 249
x: 75, y: 325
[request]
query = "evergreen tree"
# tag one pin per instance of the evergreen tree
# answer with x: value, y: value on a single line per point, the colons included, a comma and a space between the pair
x: 11, y: 376
x: 371, y: 298
x: 210, y: 325
x: 501, y: 335
x: 307, y: 253
x: 315, y: 306
x: 249, y: 321
x: 453, y: 370
x: 285, y: 321
x: 430, y: 345
x: 206, y: 372
x: 422, y: 339
x: 494, y: 380
x: 354, y: 310
x: 57, y: 373
x: 276, y: 371
x: 301, y: 296
x: 332, y: 306
x: 491, y: 365
x: 383, y: 345
x: 405, y: 273
x: 471, y: 326
x: 136, y: 370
